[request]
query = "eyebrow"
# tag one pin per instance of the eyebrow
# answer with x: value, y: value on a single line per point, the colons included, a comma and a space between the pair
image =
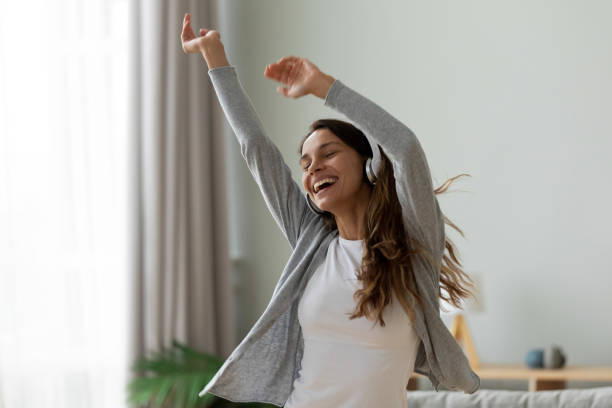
x: 305, y: 155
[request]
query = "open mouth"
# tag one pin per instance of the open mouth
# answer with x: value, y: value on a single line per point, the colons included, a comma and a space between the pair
x: 324, y: 185
x: 323, y: 188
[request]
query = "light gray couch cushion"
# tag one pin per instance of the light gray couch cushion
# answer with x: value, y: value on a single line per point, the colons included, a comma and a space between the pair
x: 598, y: 397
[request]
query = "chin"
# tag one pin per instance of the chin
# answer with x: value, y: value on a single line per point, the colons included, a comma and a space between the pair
x: 325, y: 207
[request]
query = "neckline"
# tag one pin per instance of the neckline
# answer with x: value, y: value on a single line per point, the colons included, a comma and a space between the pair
x: 350, y: 241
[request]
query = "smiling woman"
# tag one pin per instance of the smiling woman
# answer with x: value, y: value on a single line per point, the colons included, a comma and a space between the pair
x: 356, y: 310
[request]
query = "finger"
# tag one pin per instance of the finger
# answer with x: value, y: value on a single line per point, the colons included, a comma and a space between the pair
x: 291, y: 72
x: 294, y: 71
x: 282, y: 90
x: 203, y: 31
x: 186, y: 21
x: 185, y: 24
x: 287, y: 59
x: 272, y: 71
x: 187, y: 33
x: 281, y: 69
x: 286, y: 69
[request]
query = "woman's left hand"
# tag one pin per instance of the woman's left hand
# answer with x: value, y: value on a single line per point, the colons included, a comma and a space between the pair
x: 300, y: 77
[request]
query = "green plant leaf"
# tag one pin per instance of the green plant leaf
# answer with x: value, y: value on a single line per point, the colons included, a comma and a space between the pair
x: 173, y: 376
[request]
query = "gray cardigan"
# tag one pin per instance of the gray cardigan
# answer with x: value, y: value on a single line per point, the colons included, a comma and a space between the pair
x: 264, y: 365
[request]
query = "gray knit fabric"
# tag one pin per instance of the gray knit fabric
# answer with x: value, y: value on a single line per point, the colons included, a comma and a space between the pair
x: 264, y: 365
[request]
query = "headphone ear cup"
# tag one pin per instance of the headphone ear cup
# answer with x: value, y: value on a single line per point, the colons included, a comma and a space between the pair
x: 312, y: 205
x: 369, y: 171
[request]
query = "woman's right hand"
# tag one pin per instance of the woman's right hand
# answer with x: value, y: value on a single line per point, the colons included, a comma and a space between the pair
x: 209, y: 44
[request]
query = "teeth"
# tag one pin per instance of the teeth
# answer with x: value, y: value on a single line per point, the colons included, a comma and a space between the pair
x: 325, y: 180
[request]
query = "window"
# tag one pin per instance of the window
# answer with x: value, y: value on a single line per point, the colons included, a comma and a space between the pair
x: 63, y: 203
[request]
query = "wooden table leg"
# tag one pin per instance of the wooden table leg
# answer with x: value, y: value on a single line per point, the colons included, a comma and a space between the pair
x: 543, y: 385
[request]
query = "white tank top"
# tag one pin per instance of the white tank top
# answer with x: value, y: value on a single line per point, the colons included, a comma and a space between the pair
x: 350, y: 363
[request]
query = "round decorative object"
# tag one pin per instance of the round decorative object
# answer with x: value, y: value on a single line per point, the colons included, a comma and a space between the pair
x: 554, y: 357
x: 535, y: 358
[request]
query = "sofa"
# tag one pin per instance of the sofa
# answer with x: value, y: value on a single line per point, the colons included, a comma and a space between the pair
x: 598, y: 397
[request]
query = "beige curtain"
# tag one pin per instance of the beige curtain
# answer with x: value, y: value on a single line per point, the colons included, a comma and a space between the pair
x: 181, y: 287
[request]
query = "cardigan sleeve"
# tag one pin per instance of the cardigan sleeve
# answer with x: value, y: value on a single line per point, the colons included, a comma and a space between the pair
x: 281, y: 193
x: 422, y: 216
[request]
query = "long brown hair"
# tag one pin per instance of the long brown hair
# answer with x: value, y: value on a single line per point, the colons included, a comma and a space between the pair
x: 386, y: 264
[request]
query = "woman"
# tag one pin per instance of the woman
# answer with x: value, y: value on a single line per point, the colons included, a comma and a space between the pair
x: 356, y: 309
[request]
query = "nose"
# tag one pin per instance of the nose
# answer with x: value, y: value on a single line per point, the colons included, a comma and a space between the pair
x: 315, y: 165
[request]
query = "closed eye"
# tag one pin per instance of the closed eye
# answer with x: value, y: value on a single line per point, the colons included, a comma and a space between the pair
x: 327, y: 155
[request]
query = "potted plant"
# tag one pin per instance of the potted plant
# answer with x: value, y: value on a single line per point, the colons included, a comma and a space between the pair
x: 174, y: 376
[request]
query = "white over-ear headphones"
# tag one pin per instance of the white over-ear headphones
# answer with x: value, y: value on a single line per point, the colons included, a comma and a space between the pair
x: 372, y: 165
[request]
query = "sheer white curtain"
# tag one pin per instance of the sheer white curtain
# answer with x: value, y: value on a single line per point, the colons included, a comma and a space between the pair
x: 63, y: 151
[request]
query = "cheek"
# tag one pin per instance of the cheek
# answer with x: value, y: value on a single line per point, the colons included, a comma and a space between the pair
x: 352, y: 174
x: 305, y: 183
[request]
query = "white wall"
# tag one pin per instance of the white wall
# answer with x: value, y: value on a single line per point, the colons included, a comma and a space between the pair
x: 515, y: 93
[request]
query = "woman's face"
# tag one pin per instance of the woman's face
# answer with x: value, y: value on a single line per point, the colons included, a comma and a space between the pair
x: 324, y: 155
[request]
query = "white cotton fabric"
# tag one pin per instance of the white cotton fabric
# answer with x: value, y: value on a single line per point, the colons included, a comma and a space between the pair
x: 350, y: 363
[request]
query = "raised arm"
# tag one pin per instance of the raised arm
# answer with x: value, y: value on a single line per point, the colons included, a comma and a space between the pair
x: 281, y: 193
x: 421, y: 212
x: 422, y: 215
